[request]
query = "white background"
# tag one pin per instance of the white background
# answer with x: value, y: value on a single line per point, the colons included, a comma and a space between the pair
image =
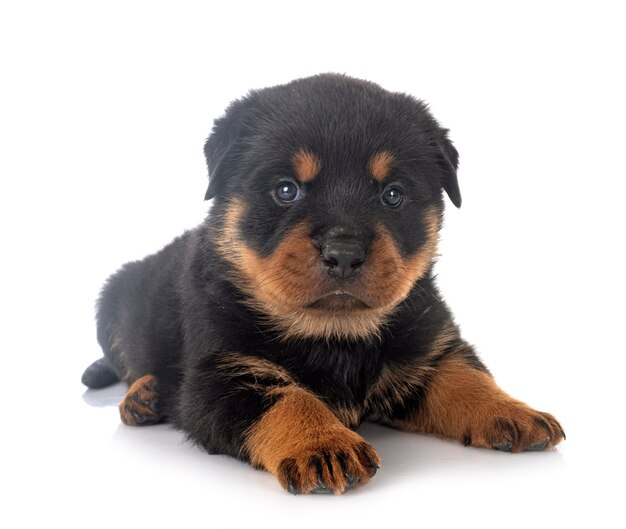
x: 104, y: 108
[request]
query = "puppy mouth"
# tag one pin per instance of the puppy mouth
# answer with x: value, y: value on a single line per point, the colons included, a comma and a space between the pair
x: 338, y: 299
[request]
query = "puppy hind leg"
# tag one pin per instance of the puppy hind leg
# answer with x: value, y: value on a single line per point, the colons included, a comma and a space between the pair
x: 140, y: 406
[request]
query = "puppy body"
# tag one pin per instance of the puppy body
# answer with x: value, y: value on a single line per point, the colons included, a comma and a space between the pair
x: 305, y: 303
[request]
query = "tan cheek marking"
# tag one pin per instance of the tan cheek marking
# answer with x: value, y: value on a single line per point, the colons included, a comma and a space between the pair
x: 270, y: 280
x: 306, y: 165
x: 280, y: 293
x: 391, y: 277
x: 227, y: 242
x: 273, y: 275
x: 380, y: 165
x: 421, y: 261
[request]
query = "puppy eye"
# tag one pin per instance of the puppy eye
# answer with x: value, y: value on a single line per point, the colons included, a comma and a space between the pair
x: 287, y: 191
x: 392, y: 197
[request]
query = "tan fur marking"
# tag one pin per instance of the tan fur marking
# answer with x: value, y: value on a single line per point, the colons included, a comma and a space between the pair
x: 282, y: 285
x: 466, y: 404
x: 115, y: 348
x: 380, y: 165
x: 306, y: 165
x: 237, y: 365
x: 137, y: 407
x: 447, y: 335
x: 420, y: 262
x: 393, y: 277
x: 365, y: 324
x: 395, y: 385
x: 114, y: 343
x: 298, y: 429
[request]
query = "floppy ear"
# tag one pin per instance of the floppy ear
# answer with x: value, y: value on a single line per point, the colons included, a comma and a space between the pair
x: 449, y: 164
x: 220, y: 148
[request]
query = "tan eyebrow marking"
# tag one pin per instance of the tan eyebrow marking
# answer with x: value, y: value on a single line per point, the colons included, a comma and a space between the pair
x: 380, y: 165
x: 306, y: 165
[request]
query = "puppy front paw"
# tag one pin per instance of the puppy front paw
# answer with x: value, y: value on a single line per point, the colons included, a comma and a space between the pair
x: 335, y: 465
x: 307, y: 448
x: 516, y: 428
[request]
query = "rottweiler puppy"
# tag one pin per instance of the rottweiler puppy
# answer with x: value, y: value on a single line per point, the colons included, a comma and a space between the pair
x: 305, y: 303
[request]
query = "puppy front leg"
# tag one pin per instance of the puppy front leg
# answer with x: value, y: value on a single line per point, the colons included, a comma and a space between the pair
x: 306, y: 447
x: 253, y: 411
x: 464, y: 403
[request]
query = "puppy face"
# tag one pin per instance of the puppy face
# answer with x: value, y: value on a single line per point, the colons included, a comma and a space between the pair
x: 329, y: 199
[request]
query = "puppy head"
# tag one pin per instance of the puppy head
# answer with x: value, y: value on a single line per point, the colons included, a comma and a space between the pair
x: 328, y: 199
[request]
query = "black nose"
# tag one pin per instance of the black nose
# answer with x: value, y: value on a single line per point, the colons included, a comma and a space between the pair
x: 343, y: 258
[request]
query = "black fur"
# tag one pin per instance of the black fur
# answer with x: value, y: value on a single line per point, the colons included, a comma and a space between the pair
x: 99, y: 375
x: 176, y: 313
